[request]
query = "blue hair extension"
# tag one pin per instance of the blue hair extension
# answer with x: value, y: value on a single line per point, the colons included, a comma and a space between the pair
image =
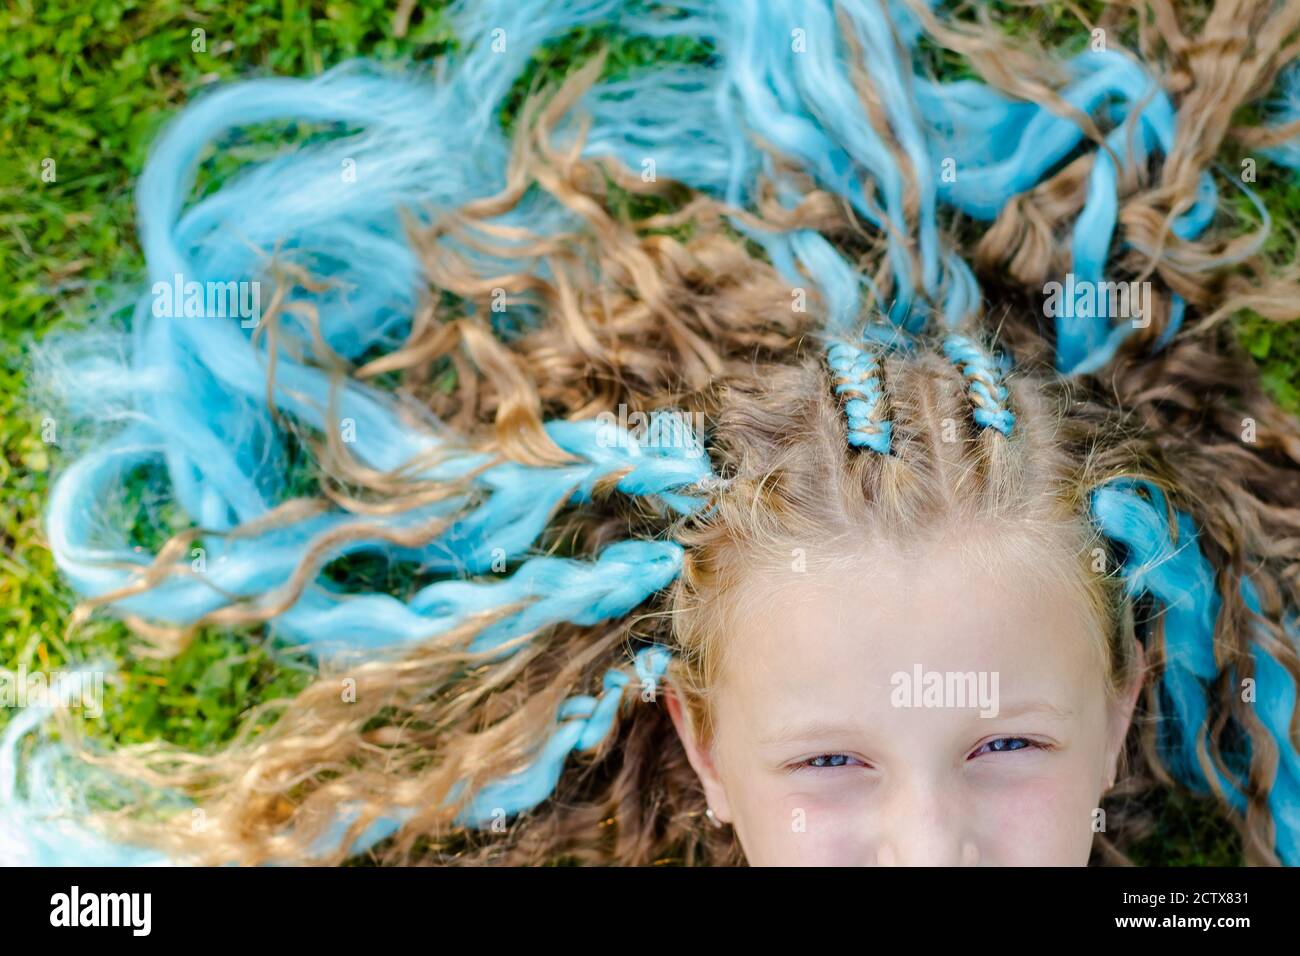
x: 585, y: 722
x: 194, y: 395
x: 189, y: 395
x: 521, y: 502
x: 1163, y: 559
x: 857, y: 374
x: 30, y: 838
x: 1275, y: 700
x: 32, y: 831
x: 1004, y: 148
x: 1283, y: 110
x: 588, y: 721
x: 963, y: 144
x: 984, y: 378
x: 786, y: 80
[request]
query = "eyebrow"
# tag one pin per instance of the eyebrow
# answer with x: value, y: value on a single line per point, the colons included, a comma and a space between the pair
x: 818, y: 729
x: 809, y: 731
x: 1043, y: 708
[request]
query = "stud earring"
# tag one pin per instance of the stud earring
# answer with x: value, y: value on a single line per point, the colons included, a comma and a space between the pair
x: 713, y: 816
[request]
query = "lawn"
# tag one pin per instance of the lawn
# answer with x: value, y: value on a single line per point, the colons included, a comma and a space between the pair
x: 87, y: 85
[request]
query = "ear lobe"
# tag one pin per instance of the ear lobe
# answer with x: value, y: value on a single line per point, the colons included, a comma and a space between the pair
x: 701, y: 758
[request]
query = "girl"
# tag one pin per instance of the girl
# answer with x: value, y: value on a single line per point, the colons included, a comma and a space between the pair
x: 751, y: 528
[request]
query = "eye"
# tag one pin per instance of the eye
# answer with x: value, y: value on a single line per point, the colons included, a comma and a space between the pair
x: 1008, y: 744
x: 828, y: 761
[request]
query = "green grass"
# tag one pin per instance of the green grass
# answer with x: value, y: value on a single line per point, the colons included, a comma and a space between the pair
x: 87, y: 86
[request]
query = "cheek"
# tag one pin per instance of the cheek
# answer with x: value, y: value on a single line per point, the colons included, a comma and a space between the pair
x: 1049, y: 817
x: 787, y: 819
x: 1044, y: 820
x: 782, y: 824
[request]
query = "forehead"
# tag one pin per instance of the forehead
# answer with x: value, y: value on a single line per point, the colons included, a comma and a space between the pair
x: 838, y: 630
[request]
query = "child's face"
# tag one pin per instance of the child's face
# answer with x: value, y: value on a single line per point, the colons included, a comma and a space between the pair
x: 817, y: 762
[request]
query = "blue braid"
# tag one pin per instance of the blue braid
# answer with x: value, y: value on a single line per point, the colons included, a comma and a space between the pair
x: 984, y: 377
x: 585, y: 722
x: 1180, y: 578
x: 857, y: 374
x: 519, y: 503
x: 590, y: 720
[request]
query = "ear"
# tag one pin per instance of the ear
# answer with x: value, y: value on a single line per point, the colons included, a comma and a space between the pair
x: 701, y: 758
x: 1123, y: 716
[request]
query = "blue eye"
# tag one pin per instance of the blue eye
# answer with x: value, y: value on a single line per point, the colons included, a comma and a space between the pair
x: 1008, y: 744
x: 822, y: 761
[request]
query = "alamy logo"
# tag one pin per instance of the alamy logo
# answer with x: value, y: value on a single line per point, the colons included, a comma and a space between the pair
x: 103, y: 909
x: 1085, y: 299
x: 214, y: 300
x: 949, y: 689
x: 670, y: 428
x: 66, y: 689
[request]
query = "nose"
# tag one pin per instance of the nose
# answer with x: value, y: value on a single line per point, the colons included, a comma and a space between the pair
x: 924, y: 826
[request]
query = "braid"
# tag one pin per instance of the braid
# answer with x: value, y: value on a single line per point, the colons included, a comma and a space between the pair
x: 857, y: 373
x: 984, y: 380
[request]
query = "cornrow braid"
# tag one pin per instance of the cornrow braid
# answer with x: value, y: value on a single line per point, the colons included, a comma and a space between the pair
x: 857, y: 374
x: 984, y: 381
